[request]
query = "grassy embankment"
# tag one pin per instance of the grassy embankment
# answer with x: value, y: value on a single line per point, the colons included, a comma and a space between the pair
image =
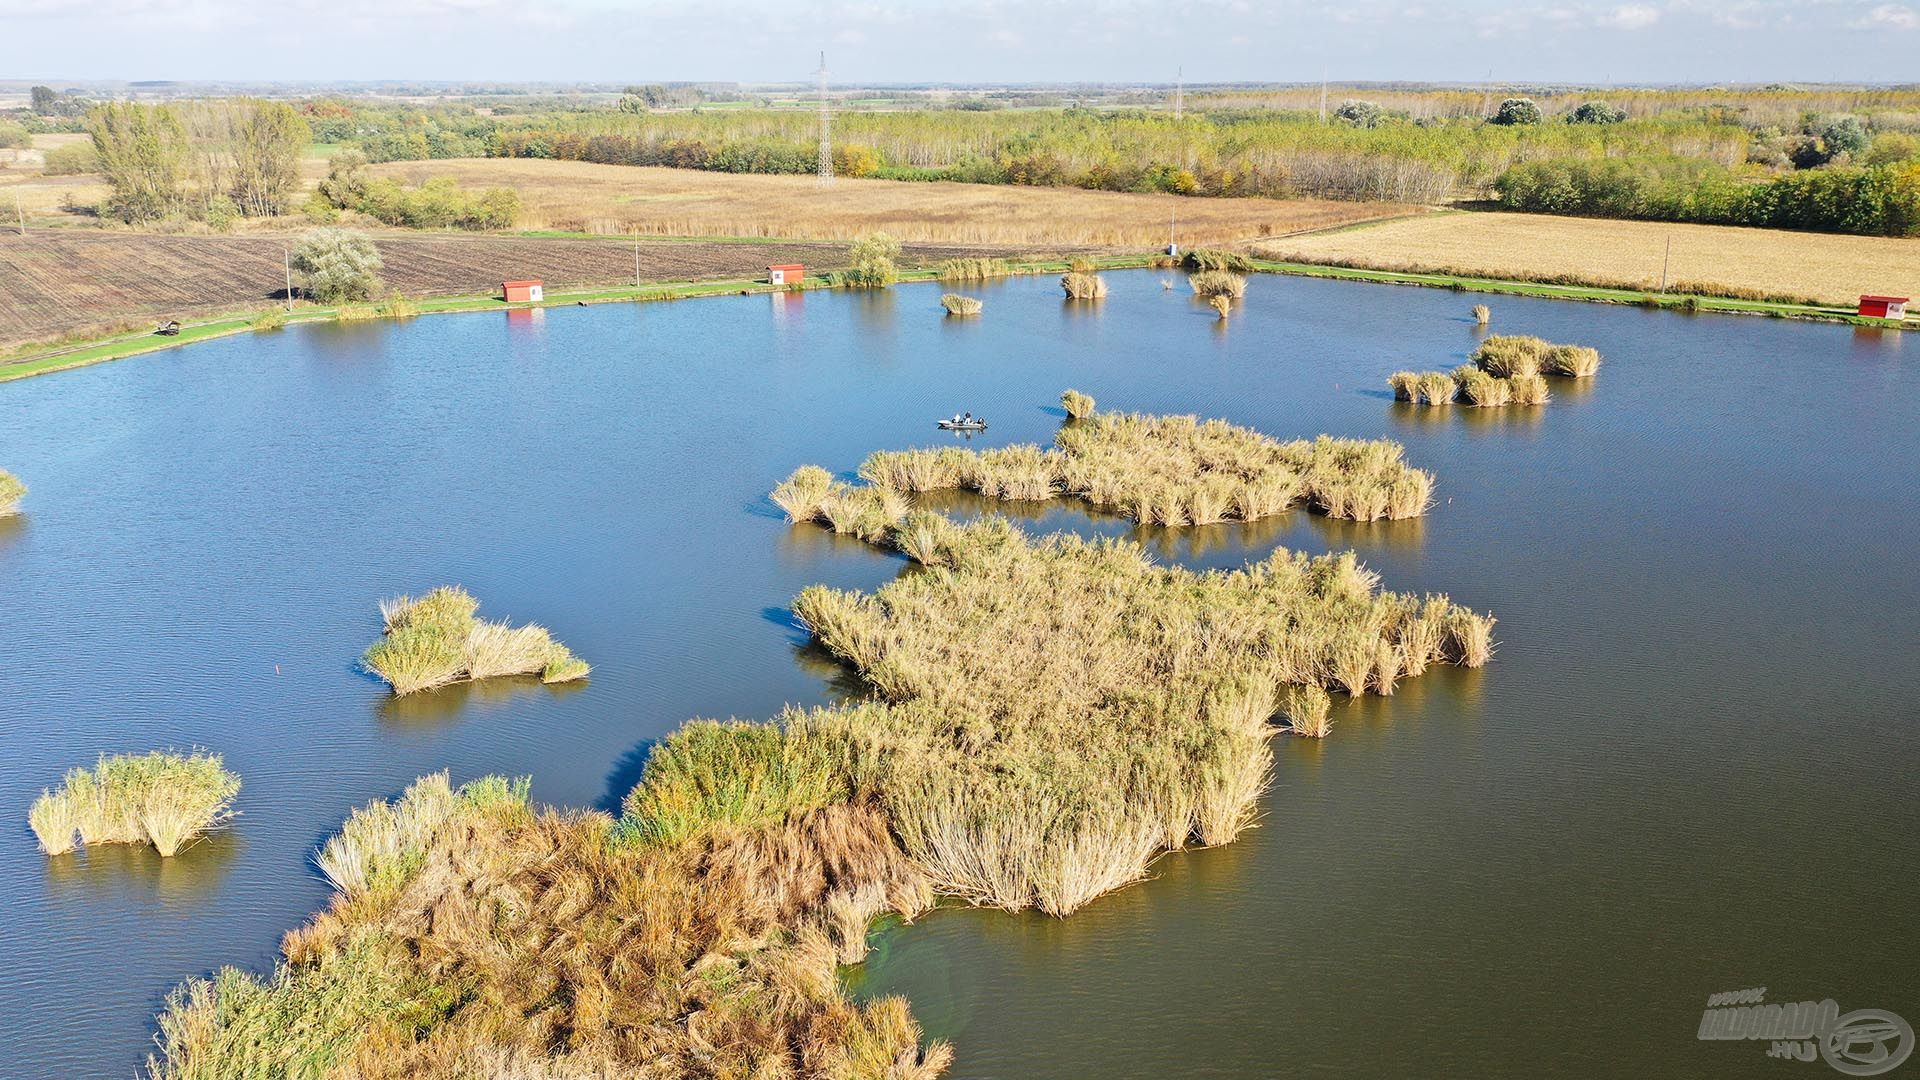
x: 436, y: 640
x: 122, y: 347
x: 167, y: 800
x: 1048, y: 715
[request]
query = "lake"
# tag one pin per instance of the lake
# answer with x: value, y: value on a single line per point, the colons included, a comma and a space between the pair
x: 1688, y: 770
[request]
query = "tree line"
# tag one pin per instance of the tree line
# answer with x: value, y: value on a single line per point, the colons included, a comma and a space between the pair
x: 209, y: 161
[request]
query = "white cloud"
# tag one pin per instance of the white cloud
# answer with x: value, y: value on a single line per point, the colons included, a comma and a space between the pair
x: 1888, y: 17
x: 1629, y: 17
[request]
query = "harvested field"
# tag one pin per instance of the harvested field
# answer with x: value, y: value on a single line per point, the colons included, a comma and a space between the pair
x: 622, y: 199
x: 57, y: 282
x: 1537, y: 247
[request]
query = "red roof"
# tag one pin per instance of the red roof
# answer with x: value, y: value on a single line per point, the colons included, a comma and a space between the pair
x: 519, y: 284
x: 786, y: 266
x: 1884, y: 299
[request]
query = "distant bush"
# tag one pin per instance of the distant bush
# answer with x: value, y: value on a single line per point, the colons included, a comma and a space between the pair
x: 1363, y: 114
x: 1209, y: 259
x: 14, y: 137
x: 73, y: 160
x: 1517, y: 110
x: 440, y: 203
x: 1596, y: 112
x: 337, y: 265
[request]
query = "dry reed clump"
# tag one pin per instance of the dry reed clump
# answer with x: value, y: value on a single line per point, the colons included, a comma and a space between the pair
x: 1210, y: 284
x: 1479, y: 388
x: 1308, y: 711
x: 1437, y: 388
x: 1482, y: 314
x: 1081, y: 285
x: 1056, y: 712
x: 1221, y: 306
x: 1405, y: 384
x: 1158, y: 470
x: 164, y: 799
x: 960, y: 305
x: 472, y: 934
x: 11, y: 492
x: 437, y: 639
x: 1079, y: 406
x: 972, y: 269
x: 1505, y: 356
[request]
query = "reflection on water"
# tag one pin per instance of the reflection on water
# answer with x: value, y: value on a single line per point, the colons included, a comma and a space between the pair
x: 13, y: 527
x: 118, y: 871
x: 427, y: 708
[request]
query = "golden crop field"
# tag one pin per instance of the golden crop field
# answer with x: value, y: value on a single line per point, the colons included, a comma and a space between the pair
x: 1820, y: 266
x: 623, y: 199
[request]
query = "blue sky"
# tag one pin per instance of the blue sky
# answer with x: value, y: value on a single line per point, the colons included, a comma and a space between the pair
x: 1638, y: 41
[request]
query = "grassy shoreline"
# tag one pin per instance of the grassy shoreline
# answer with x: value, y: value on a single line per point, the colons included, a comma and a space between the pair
x: 120, y: 347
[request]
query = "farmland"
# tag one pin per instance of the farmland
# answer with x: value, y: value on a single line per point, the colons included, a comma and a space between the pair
x: 619, y: 199
x: 1830, y: 268
x: 59, y: 282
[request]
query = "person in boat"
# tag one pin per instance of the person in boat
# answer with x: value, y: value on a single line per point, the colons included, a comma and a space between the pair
x: 955, y: 421
x: 967, y: 419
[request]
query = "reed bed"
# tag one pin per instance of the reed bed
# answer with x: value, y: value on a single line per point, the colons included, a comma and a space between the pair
x: 960, y: 305
x: 1482, y: 314
x: 1210, y: 284
x: 1079, y: 406
x: 1048, y: 715
x: 437, y: 639
x: 472, y: 934
x: 164, y: 799
x: 1158, y: 470
x: 972, y: 268
x: 1081, y: 285
x: 1505, y: 356
x: 11, y: 492
x: 1055, y: 712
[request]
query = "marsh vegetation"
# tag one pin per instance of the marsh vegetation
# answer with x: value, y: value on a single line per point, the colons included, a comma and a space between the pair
x: 1160, y: 470
x: 11, y: 492
x: 437, y: 639
x: 164, y: 799
x: 960, y: 305
x: 1502, y: 371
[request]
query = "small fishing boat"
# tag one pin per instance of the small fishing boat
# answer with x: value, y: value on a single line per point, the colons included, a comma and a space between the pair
x: 975, y: 424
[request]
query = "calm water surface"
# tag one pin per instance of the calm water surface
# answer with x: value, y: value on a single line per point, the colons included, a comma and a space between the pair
x: 1690, y: 769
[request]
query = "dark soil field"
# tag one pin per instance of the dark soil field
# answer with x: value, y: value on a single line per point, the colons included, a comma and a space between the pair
x: 55, y: 283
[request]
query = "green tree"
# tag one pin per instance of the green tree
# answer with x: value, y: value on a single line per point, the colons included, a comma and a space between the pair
x: 873, y: 258
x: 1517, y: 110
x: 143, y: 154
x: 1596, y: 112
x: 46, y: 100
x: 266, y: 157
x: 337, y: 265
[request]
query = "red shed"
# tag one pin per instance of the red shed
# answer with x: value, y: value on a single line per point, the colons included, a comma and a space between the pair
x: 520, y: 292
x: 786, y: 274
x: 1883, y: 307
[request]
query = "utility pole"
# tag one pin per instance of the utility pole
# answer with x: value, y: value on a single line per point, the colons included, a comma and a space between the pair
x: 286, y: 260
x: 19, y: 213
x: 1323, y: 95
x: 826, y: 123
x: 636, y: 264
x: 1666, y: 262
x: 1179, y: 91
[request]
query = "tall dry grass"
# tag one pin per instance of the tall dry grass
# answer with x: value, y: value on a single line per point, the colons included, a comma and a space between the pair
x: 960, y: 305
x: 1213, y: 284
x: 164, y: 799
x: 1159, y: 470
x: 1079, y: 406
x: 1083, y: 285
x: 972, y: 268
x: 437, y: 639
